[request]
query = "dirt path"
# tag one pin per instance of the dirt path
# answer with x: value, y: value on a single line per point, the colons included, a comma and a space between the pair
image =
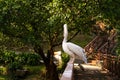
x: 91, y: 72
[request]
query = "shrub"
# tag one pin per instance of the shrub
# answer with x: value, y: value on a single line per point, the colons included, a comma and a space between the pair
x: 28, y: 59
x: 22, y: 58
x: 33, y: 59
x: 12, y: 68
x: 9, y: 56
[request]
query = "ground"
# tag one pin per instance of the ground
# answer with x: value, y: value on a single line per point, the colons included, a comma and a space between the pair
x: 91, y: 72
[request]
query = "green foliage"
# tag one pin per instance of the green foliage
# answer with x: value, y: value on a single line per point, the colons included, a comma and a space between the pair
x: 35, y: 22
x: 19, y: 21
x: 39, y: 22
x: 33, y: 59
x: 110, y: 9
x: 1, y: 58
x: 12, y: 68
x: 2, y: 70
x: 35, y: 69
x: 65, y: 59
x: 31, y: 21
x: 2, y: 77
x: 22, y: 58
x: 29, y: 59
x: 7, y: 57
x: 77, y: 14
x: 35, y: 72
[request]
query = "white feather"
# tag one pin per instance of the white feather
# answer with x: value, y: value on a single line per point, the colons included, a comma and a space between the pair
x: 72, y: 49
x: 77, y: 50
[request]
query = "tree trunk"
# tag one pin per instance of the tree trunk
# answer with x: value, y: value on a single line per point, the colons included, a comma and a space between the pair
x: 52, y: 73
x: 51, y: 68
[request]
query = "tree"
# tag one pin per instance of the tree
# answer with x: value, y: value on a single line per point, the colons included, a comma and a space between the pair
x: 27, y: 22
x: 110, y: 11
x: 38, y: 23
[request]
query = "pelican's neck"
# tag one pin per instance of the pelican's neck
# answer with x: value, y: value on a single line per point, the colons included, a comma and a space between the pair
x: 65, y: 39
x: 65, y: 33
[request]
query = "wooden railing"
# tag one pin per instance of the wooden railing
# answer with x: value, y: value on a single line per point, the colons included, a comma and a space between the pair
x: 101, y: 44
x: 95, y: 44
x: 89, y: 47
x: 112, y: 64
x: 68, y: 73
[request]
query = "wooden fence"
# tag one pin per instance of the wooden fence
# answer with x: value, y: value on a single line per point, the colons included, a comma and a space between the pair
x: 112, y: 64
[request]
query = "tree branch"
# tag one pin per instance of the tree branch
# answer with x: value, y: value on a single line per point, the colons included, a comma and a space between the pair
x: 68, y: 39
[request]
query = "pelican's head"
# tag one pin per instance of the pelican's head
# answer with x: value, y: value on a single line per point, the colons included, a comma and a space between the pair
x: 65, y: 31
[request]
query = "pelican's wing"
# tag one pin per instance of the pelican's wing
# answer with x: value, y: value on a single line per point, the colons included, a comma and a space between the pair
x: 79, y: 51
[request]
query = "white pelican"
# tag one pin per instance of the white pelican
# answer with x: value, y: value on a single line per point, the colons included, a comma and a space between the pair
x: 72, y: 49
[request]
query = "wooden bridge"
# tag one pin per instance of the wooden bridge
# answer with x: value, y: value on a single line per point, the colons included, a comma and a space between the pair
x: 103, y: 64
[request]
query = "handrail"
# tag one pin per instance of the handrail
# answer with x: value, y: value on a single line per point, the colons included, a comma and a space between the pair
x: 112, y: 64
x: 68, y: 73
x: 91, y: 42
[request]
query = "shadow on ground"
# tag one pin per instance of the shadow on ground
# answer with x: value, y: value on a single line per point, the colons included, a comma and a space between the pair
x: 91, y: 72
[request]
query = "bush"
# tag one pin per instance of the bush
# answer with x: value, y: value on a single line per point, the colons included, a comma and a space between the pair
x: 33, y: 59
x: 13, y: 66
x: 28, y: 59
x: 3, y: 70
x: 7, y: 57
x: 22, y: 58
x: 12, y: 69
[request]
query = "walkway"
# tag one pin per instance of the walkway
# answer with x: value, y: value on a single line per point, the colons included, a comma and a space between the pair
x: 91, y: 72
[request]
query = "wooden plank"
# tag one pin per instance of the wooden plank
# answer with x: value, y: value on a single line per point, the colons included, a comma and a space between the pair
x: 68, y: 73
